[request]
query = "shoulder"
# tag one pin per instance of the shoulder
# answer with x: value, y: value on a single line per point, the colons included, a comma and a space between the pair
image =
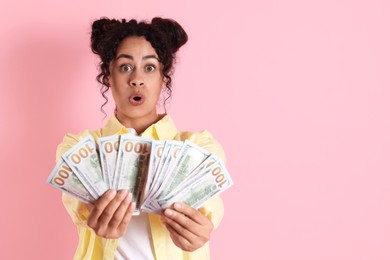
x: 69, y: 140
x: 205, y: 140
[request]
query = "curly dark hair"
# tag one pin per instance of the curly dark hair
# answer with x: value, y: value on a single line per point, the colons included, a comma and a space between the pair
x: 165, y: 35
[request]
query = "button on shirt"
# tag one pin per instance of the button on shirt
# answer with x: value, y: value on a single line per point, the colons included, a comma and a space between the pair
x: 91, y: 246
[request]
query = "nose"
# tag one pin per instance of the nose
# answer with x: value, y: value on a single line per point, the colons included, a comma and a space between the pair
x: 136, y: 80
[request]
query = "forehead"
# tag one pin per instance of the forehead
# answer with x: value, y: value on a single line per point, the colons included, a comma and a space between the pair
x: 135, y: 45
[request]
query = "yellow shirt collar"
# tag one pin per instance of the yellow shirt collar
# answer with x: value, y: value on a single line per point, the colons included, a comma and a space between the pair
x: 164, y: 129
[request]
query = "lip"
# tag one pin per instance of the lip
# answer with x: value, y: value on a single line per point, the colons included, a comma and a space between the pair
x: 133, y: 99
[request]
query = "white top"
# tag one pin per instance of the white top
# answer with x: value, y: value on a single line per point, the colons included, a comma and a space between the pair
x: 136, y: 244
x: 132, y: 131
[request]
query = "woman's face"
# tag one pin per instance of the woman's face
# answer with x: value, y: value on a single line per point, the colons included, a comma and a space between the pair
x: 136, y: 79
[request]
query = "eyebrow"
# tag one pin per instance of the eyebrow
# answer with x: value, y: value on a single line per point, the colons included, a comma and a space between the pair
x: 127, y: 56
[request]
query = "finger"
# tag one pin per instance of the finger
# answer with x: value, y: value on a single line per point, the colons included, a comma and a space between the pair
x: 108, y: 212
x: 120, y: 212
x: 189, y: 232
x: 127, y: 217
x: 100, y: 205
x: 190, y: 212
x: 178, y: 240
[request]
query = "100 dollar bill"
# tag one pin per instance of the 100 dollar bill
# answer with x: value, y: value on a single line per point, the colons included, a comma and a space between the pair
x: 214, y: 181
x: 108, y: 154
x: 84, y: 161
x: 189, y: 158
x: 63, y: 178
x: 132, y: 165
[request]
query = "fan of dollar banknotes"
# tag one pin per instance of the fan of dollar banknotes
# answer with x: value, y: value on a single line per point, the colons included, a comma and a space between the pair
x: 157, y: 173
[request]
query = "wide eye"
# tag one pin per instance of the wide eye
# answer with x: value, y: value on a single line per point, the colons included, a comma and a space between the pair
x: 150, y: 68
x: 126, y: 68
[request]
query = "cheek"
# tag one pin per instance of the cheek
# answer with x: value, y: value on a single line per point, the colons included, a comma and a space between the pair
x: 156, y: 86
x: 159, y: 92
x: 116, y: 95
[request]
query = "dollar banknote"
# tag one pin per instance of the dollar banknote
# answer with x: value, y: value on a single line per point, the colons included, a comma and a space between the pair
x: 84, y: 161
x: 189, y: 158
x: 154, y: 159
x: 197, y: 173
x: 215, y: 180
x: 160, y: 164
x: 63, y: 178
x: 108, y: 150
x: 132, y: 164
x: 169, y: 155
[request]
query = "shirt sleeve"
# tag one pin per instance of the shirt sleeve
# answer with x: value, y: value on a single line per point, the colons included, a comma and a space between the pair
x: 213, y: 208
x: 77, y: 210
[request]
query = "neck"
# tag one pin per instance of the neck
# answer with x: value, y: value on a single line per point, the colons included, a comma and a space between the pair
x: 140, y: 124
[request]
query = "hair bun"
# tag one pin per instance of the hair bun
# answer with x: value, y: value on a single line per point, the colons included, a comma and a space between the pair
x: 100, y: 29
x: 174, y: 34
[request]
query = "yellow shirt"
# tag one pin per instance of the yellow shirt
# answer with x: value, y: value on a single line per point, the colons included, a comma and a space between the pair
x: 91, y: 246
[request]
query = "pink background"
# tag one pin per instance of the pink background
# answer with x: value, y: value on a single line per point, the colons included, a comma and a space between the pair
x: 296, y: 91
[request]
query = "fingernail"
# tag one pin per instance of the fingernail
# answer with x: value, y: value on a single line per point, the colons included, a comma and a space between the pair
x: 168, y: 212
x: 128, y: 197
x: 122, y: 193
x: 111, y: 193
x: 177, y: 205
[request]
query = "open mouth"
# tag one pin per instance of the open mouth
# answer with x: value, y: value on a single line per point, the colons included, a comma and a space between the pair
x: 136, y: 99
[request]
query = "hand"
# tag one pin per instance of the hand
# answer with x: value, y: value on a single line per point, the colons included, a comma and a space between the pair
x: 188, y: 228
x: 111, y: 214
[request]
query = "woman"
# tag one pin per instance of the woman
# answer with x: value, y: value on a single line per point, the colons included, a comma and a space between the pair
x: 136, y: 64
